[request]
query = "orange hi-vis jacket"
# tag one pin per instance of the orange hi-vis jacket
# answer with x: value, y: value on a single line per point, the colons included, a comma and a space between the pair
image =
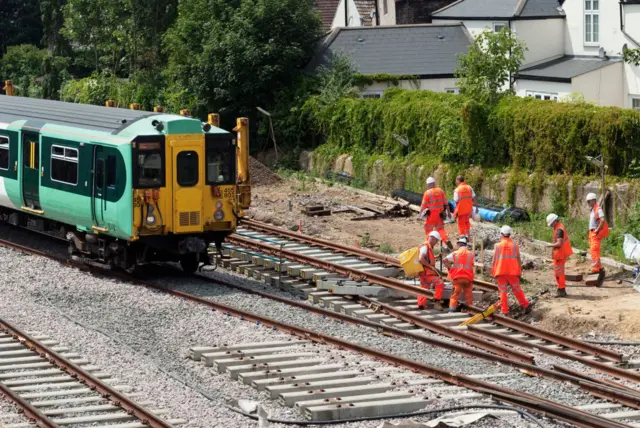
x: 505, y: 259
x: 462, y: 266
x: 435, y: 200
x: 565, y: 249
x: 604, y: 232
x: 464, y: 206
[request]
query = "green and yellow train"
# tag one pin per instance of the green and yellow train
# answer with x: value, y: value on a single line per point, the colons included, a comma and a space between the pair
x: 125, y: 187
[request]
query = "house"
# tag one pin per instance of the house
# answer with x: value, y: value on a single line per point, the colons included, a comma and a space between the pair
x: 575, y: 46
x: 403, y: 12
x: 427, y: 52
x: 327, y: 10
x: 355, y: 13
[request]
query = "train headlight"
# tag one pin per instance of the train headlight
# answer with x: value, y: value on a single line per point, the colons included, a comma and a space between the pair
x: 218, y: 215
x: 151, y: 220
x: 219, y: 204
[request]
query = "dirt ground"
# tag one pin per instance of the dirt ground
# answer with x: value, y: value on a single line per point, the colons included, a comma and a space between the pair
x: 611, y: 310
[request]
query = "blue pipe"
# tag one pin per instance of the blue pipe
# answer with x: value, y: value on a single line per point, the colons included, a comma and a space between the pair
x: 487, y: 214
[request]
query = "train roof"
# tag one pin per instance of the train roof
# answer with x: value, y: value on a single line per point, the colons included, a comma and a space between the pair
x: 105, y: 119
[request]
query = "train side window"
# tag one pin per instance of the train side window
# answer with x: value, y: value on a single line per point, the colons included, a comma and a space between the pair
x: 187, y: 167
x: 111, y: 171
x: 220, y: 166
x: 4, y: 153
x: 99, y: 174
x: 64, y: 165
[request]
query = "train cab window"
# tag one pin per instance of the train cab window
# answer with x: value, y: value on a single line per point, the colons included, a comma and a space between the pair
x: 149, y: 169
x: 187, y: 167
x: 4, y: 153
x: 220, y: 167
x: 64, y: 165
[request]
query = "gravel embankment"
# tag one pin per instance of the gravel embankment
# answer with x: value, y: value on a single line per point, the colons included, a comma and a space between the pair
x: 151, y: 332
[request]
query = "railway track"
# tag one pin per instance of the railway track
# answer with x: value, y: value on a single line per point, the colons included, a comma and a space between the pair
x: 54, y: 387
x: 583, y: 416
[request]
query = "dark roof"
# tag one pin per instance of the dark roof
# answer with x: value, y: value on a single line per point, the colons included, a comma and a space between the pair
x: 564, y: 69
x: 327, y: 10
x: 500, y: 9
x: 428, y: 50
x: 85, y: 116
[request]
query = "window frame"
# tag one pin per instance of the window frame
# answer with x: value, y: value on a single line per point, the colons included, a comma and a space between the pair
x: 553, y: 96
x: 136, y: 150
x: 8, y: 149
x: 74, y: 160
x: 455, y: 91
x: 372, y: 94
x: 221, y: 143
x: 503, y: 24
x: 634, y: 98
x: 197, y: 180
x: 588, y: 36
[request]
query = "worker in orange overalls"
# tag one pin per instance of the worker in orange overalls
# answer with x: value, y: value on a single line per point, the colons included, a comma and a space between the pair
x: 598, y: 230
x: 436, y: 207
x: 465, y: 199
x: 429, y: 278
x: 507, y: 269
x: 460, y: 265
x: 561, y: 252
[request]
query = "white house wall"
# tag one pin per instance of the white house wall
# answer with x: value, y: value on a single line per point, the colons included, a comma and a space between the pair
x: 388, y: 18
x: 544, y: 38
x: 560, y: 89
x: 603, y: 86
x: 354, y: 15
x: 632, y: 83
x: 436, y: 85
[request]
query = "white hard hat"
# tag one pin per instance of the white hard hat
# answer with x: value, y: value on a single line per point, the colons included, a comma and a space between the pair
x: 435, y: 234
x: 431, y: 180
x: 506, y: 230
x: 591, y: 197
x: 551, y: 218
x: 462, y: 239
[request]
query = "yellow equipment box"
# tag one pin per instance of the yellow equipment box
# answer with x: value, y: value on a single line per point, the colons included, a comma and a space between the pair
x: 410, y: 263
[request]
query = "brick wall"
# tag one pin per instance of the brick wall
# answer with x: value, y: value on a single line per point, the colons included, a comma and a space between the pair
x: 417, y: 11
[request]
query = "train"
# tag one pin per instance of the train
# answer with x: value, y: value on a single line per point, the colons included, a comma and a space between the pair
x: 124, y: 187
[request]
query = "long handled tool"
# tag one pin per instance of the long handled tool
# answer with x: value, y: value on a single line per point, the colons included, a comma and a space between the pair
x: 493, y: 308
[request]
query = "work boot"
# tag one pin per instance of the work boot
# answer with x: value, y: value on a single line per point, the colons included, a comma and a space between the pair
x: 561, y: 292
x: 600, y: 277
x: 529, y: 308
x: 438, y: 306
x: 422, y: 308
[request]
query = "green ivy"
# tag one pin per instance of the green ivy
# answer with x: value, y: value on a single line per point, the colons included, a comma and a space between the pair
x: 394, y: 79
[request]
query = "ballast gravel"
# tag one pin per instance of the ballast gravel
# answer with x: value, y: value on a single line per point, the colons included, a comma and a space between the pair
x: 149, y: 334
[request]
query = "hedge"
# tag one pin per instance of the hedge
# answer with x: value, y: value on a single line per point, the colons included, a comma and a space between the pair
x: 530, y: 134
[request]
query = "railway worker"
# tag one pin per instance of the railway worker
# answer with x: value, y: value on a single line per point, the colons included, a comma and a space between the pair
x: 436, y: 207
x: 430, y: 278
x: 507, y: 269
x: 561, y: 252
x: 598, y: 230
x: 465, y: 199
x: 461, y: 272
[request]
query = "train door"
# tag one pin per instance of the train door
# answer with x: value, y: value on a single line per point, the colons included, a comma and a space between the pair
x: 104, y: 188
x: 31, y: 170
x: 188, y: 188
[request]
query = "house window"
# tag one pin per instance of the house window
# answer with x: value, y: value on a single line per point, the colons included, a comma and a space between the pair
x: 546, y: 96
x: 499, y: 26
x: 452, y: 90
x: 385, y: 7
x: 591, y: 21
x: 372, y: 95
x: 635, y: 102
x: 64, y: 165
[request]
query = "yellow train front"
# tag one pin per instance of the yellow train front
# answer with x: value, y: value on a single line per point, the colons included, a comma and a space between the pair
x: 191, y: 191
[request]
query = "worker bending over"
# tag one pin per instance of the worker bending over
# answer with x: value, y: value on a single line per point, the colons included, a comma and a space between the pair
x: 561, y: 252
x: 435, y: 206
x: 461, y: 272
x: 507, y: 269
x: 598, y: 230
x: 429, y: 278
x: 465, y: 199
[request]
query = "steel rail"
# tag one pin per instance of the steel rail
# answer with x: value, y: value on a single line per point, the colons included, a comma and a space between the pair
x: 326, y: 244
x: 535, y: 404
x: 417, y: 291
x: 32, y: 413
x: 613, y: 371
x: 550, y: 336
x: 115, y: 396
x: 607, y: 382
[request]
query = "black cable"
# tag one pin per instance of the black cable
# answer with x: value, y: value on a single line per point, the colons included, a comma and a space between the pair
x: 525, y: 414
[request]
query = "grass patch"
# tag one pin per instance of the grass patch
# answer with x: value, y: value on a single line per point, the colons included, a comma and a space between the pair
x: 385, y: 248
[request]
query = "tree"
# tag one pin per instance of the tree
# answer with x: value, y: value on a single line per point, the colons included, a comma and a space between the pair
x: 485, y: 70
x: 19, y: 23
x: 52, y: 22
x: 236, y: 54
x: 632, y: 56
x: 22, y: 64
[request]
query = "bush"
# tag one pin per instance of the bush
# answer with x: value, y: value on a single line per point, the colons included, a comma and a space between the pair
x: 533, y: 135
x: 22, y: 64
